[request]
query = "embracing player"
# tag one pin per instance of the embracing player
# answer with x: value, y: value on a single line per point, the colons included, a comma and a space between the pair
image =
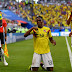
x: 69, y: 21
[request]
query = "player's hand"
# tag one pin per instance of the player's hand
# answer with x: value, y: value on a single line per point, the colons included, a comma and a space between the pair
x: 54, y: 42
x: 35, y: 28
x: 71, y: 14
x: 70, y: 34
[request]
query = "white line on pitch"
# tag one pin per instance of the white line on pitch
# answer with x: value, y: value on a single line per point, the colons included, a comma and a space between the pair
x: 69, y: 50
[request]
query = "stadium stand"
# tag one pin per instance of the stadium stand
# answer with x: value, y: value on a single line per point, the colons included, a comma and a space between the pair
x: 54, y: 14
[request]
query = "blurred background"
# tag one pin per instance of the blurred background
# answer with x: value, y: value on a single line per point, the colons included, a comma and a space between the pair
x: 21, y: 14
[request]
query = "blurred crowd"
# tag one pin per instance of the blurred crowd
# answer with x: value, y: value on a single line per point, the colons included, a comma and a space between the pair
x: 15, y: 27
x: 12, y: 25
x: 54, y: 14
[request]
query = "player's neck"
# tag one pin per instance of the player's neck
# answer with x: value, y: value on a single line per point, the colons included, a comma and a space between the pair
x: 40, y: 26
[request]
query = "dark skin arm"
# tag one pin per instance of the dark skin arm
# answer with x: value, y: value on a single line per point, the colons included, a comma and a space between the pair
x: 52, y: 41
x: 69, y: 20
x: 28, y: 32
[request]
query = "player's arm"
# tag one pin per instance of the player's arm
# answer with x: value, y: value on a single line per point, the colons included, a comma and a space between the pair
x: 5, y: 33
x: 28, y: 32
x: 52, y: 41
x: 69, y: 20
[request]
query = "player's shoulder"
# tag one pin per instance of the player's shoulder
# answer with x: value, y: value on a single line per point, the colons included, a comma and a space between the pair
x: 47, y: 28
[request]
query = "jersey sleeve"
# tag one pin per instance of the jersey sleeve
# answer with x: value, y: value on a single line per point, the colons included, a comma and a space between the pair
x: 4, y: 23
x: 31, y: 32
x: 49, y: 32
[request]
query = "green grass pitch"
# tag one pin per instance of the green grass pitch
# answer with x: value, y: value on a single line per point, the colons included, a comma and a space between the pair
x: 21, y: 54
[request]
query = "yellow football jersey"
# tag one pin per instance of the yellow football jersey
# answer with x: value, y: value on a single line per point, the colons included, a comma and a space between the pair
x: 0, y: 16
x: 41, y: 40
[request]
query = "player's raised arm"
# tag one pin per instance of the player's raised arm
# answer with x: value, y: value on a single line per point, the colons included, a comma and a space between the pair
x: 69, y: 20
x: 28, y: 32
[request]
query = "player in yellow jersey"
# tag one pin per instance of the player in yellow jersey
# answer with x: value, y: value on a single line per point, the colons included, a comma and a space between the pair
x: 70, y: 21
x: 0, y: 15
x: 41, y: 37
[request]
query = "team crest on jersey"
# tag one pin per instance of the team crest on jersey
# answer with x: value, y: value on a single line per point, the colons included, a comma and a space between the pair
x: 44, y: 30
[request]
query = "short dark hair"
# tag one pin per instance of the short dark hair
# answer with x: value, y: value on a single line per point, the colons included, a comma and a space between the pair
x: 0, y: 11
x: 39, y: 17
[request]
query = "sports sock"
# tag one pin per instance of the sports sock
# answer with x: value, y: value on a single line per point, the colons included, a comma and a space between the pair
x: 0, y: 53
x: 3, y: 55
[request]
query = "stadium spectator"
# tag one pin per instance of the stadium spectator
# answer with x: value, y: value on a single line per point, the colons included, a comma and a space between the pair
x: 3, y: 24
x: 52, y: 13
x: 41, y: 45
